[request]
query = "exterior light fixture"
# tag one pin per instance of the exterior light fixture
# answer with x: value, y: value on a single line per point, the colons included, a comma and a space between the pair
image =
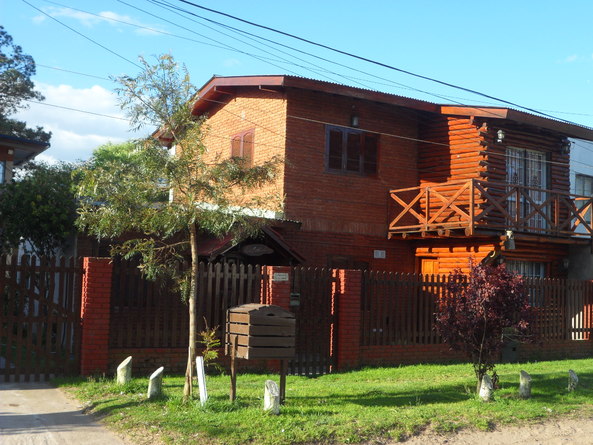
x: 565, y: 263
x: 565, y: 146
x: 500, y: 136
x: 509, y: 241
x: 354, y: 120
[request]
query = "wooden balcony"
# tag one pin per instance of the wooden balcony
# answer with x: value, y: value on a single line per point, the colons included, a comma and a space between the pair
x: 474, y: 207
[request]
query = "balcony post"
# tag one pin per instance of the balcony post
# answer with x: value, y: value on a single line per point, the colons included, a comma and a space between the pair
x: 427, y: 216
x: 471, y: 207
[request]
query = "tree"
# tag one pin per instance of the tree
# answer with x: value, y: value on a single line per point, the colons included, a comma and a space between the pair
x: 39, y: 208
x: 16, y: 87
x: 125, y: 195
x: 479, y: 312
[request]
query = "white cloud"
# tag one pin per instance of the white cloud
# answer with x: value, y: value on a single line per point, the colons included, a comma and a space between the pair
x: 571, y: 58
x: 76, y: 134
x: 90, y: 20
x: 231, y: 63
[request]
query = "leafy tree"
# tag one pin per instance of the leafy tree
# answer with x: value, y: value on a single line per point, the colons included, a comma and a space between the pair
x: 16, y: 87
x: 124, y: 195
x: 38, y: 207
x: 480, y: 311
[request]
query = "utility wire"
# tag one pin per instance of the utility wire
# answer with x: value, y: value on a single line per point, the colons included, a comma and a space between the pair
x: 71, y: 72
x: 82, y: 35
x: 371, y: 61
x: 76, y: 109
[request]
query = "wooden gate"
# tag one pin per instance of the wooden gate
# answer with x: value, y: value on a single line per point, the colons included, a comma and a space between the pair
x: 39, y: 317
x: 311, y: 302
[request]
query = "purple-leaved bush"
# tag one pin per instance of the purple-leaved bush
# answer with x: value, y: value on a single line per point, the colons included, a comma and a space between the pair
x: 480, y: 311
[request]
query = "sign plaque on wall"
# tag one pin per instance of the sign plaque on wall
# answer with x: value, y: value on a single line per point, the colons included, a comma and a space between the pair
x: 280, y: 276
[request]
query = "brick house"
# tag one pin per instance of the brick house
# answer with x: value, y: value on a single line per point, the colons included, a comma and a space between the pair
x: 15, y: 151
x: 380, y: 181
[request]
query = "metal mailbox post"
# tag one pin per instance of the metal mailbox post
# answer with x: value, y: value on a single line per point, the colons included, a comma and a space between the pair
x: 259, y: 331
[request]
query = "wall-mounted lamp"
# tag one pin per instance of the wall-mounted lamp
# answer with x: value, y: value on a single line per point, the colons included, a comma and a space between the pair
x: 354, y: 120
x: 500, y: 136
x: 509, y: 240
x: 565, y: 146
x: 565, y: 263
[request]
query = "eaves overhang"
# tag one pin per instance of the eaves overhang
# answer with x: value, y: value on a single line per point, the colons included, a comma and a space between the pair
x: 214, y: 91
x: 23, y: 149
x: 564, y: 128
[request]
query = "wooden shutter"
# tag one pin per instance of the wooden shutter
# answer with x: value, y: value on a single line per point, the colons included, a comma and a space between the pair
x: 247, y: 153
x: 236, y: 147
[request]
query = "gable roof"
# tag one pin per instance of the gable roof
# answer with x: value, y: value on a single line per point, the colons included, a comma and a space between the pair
x: 24, y: 149
x: 217, y: 87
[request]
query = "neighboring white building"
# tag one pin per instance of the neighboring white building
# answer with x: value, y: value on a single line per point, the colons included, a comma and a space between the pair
x: 581, y: 183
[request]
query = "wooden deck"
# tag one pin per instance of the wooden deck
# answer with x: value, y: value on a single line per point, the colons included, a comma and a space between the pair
x: 469, y: 207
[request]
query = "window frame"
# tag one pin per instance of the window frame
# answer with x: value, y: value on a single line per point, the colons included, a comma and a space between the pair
x: 241, y: 137
x: 363, y: 158
x: 2, y: 172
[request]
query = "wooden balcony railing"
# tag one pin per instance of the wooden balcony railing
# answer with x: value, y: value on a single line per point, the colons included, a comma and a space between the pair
x: 474, y: 205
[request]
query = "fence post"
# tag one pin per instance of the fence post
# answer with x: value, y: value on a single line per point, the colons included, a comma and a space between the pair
x: 94, y: 314
x: 348, y: 295
x: 277, y: 287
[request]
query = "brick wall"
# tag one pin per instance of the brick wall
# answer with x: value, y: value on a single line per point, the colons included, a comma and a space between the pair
x: 407, y: 354
x: 95, y: 311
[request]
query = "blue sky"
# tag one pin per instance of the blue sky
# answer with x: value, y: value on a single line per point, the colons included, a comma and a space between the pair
x: 538, y: 54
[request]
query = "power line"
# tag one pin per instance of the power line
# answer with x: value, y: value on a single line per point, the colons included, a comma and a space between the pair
x: 76, y: 109
x: 82, y: 35
x: 71, y: 72
x: 374, y: 62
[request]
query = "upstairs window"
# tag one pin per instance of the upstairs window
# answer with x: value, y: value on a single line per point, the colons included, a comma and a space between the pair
x: 351, y: 151
x: 242, y: 146
x: 2, y: 172
x: 584, y: 187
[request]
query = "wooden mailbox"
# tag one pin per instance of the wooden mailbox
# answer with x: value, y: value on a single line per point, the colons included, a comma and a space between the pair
x: 259, y: 331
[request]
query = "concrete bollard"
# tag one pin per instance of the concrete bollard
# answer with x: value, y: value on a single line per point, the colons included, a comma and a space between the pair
x: 272, y: 397
x: 124, y: 371
x: 155, y: 383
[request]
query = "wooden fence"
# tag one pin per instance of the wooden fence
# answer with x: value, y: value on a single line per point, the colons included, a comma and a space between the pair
x: 39, y: 317
x: 399, y: 308
x: 147, y: 314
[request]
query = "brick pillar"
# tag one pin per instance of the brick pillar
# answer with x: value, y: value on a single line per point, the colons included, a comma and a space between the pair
x: 94, y: 312
x: 349, y: 288
x: 277, y: 288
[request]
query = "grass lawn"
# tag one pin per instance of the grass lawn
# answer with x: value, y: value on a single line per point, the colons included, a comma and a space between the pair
x: 346, y: 407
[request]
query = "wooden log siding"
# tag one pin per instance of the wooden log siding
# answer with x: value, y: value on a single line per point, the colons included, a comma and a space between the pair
x: 147, y: 314
x: 399, y: 309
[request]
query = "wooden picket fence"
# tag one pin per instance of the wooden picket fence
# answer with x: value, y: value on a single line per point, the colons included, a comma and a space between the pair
x: 151, y: 314
x: 399, y: 308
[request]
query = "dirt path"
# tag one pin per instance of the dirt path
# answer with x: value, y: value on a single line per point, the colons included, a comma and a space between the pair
x: 39, y: 414
x: 551, y: 432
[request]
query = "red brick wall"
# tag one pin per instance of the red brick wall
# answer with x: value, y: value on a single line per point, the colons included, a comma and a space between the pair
x: 344, y: 203
x: 555, y: 350
x: 95, y: 311
x: 348, y: 309
x: 407, y: 354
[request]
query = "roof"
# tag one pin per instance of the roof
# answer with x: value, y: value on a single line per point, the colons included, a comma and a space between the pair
x: 24, y: 149
x: 218, y: 87
x: 566, y: 128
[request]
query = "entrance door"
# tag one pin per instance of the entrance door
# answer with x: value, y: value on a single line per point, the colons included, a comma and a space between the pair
x: 429, y: 266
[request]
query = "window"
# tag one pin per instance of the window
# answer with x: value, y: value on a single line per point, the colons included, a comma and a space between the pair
x: 584, y: 187
x: 2, y: 172
x: 527, y: 168
x: 242, y: 146
x: 349, y: 150
x: 530, y: 269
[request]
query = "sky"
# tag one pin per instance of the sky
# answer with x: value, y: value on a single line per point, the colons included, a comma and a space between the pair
x: 535, y: 54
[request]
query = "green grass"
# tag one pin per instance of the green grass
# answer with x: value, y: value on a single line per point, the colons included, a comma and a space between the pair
x: 342, y: 408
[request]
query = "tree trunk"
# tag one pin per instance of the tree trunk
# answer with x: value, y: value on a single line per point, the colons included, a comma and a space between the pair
x: 191, y: 353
